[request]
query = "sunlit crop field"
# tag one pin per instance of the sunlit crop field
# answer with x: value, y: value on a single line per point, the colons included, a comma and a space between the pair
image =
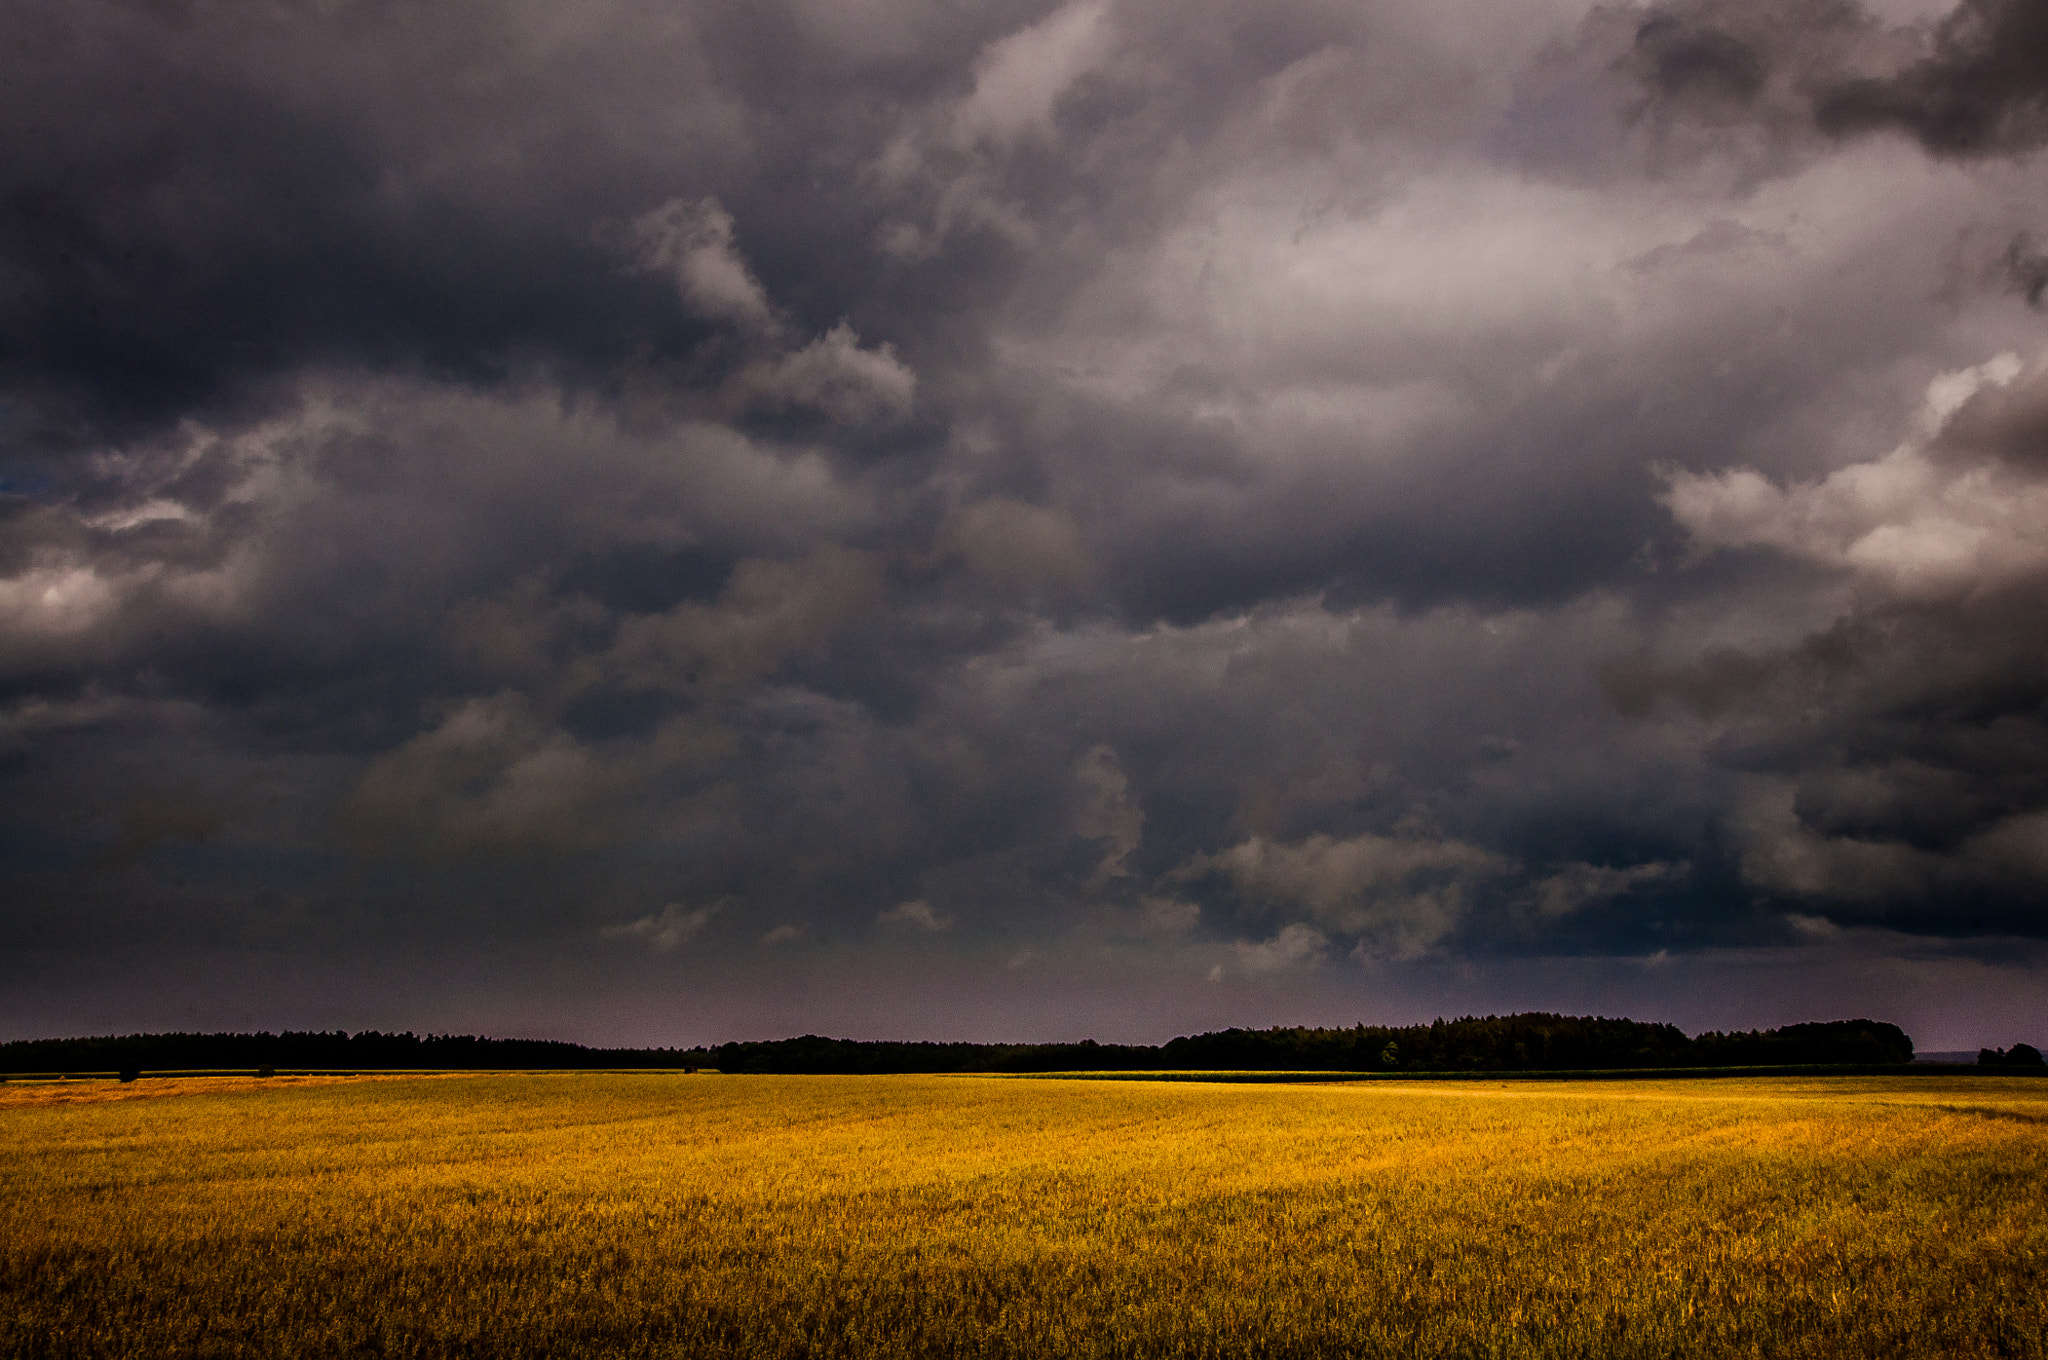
x: 605, y: 1214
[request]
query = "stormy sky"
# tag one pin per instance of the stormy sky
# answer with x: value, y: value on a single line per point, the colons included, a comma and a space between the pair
x: 646, y: 521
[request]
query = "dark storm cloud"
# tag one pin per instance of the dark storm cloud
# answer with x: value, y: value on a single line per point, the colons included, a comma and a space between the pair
x: 1972, y: 84
x: 1091, y: 500
x: 1918, y: 790
x: 2025, y: 268
x: 1981, y: 91
x: 197, y: 199
x: 181, y: 221
x: 1897, y: 753
x: 1728, y: 60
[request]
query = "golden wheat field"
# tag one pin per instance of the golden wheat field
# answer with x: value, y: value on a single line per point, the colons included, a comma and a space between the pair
x: 655, y: 1214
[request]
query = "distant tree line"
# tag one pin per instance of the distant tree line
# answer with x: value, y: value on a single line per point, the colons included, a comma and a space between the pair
x: 1536, y: 1041
x: 2019, y: 1055
x: 1533, y: 1041
x: 330, y: 1050
x: 1530, y: 1042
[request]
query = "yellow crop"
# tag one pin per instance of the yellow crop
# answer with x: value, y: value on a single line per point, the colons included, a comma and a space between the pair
x: 607, y: 1214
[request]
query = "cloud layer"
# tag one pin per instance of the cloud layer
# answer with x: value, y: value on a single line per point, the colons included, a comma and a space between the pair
x: 1021, y: 521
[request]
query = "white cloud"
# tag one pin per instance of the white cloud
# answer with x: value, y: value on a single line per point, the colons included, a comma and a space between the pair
x: 1107, y: 812
x: 1918, y: 522
x: 768, y: 612
x: 835, y: 375
x: 1293, y: 946
x: 692, y: 242
x: 1009, y: 543
x: 665, y: 932
x: 1019, y: 80
x: 1397, y: 895
x: 56, y: 600
x: 917, y: 914
x: 489, y: 775
x: 1780, y: 854
x: 156, y: 511
x: 1580, y: 885
x: 1816, y: 928
x: 1159, y: 916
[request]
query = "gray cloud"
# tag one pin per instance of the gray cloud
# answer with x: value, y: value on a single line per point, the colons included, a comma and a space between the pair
x: 917, y: 915
x: 1305, y: 497
x: 692, y: 242
x: 2025, y: 268
x: 1981, y: 89
x: 1972, y: 83
x: 665, y: 932
x: 1892, y: 754
x: 1400, y: 895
